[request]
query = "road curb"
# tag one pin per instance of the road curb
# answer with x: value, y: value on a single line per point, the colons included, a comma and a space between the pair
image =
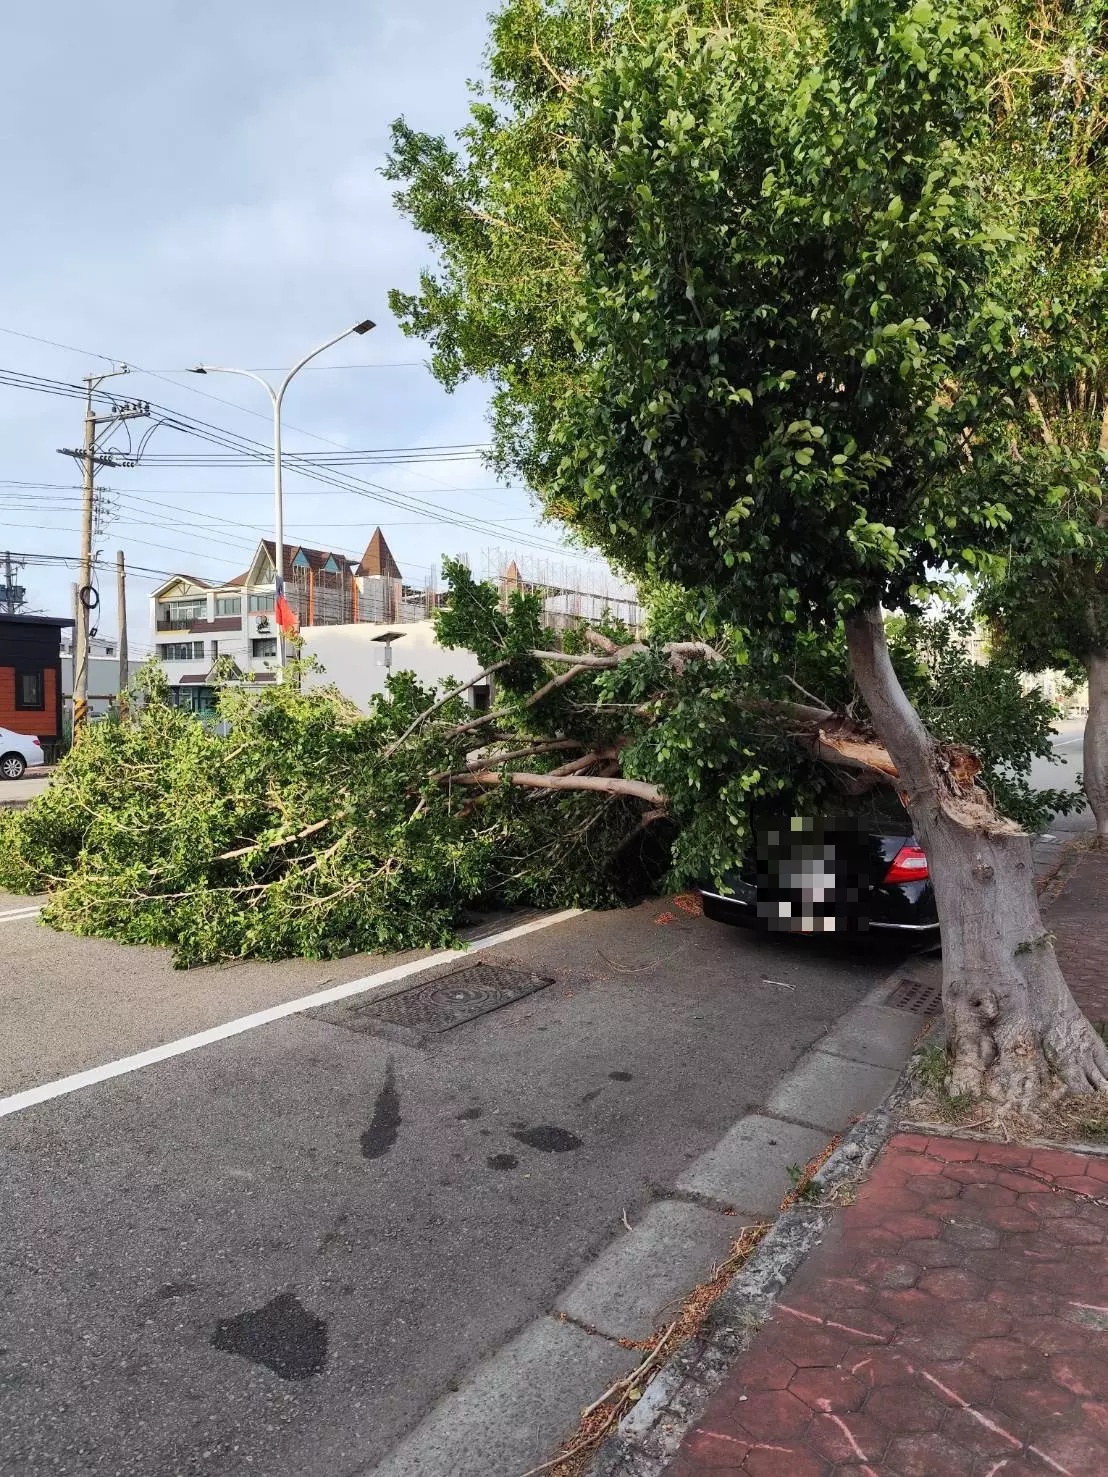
x: 649, y: 1436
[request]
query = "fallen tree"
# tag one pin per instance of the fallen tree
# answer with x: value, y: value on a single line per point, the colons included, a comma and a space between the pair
x: 313, y: 829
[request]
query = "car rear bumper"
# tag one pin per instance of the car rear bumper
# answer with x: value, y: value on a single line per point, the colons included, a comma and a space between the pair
x: 729, y: 909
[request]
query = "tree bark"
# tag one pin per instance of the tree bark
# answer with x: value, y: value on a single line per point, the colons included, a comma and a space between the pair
x: 1095, y: 756
x: 1012, y: 1024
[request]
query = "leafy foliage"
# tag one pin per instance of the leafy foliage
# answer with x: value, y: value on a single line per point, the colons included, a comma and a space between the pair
x: 787, y: 342
x: 299, y: 826
x: 291, y: 836
x: 1049, y: 602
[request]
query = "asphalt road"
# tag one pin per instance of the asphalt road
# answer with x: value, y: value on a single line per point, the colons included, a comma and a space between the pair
x: 275, y: 1252
x: 1066, y: 773
x: 18, y: 792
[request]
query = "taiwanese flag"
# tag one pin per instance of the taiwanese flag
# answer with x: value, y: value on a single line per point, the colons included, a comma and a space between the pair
x: 282, y: 610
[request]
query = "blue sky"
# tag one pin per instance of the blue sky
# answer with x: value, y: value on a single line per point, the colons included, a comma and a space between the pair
x: 198, y: 182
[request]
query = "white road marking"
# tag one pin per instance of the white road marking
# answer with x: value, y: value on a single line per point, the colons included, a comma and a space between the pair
x: 32, y: 1096
x: 17, y: 913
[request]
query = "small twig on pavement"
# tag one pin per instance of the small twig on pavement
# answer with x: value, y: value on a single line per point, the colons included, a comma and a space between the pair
x: 626, y: 1222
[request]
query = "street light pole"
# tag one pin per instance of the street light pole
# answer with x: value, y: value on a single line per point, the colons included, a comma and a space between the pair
x: 277, y: 396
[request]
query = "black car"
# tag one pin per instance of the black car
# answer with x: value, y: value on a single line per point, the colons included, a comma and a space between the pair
x: 850, y: 872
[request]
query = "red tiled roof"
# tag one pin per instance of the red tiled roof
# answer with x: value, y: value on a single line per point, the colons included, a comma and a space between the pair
x: 377, y: 560
x: 316, y: 558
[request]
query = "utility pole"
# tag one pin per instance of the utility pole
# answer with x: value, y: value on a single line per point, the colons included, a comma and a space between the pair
x: 13, y: 595
x: 121, y: 601
x: 90, y: 459
x: 84, y: 584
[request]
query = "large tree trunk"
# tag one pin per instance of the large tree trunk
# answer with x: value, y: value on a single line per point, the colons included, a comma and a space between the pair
x: 1012, y: 1024
x: 1096, y: 743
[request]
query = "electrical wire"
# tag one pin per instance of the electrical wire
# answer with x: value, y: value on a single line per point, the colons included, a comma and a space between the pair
x: 258, y: 451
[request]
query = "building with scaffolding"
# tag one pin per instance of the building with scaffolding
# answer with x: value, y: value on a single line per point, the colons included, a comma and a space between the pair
x: 347, y: 610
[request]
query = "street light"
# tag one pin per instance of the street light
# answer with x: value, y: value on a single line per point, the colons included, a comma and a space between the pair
x: 277, y: 396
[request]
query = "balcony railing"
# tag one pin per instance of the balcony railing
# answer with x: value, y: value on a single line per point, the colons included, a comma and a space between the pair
x: 202, y: 624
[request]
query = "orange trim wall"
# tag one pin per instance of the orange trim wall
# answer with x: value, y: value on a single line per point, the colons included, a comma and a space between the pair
x: 39, y: 722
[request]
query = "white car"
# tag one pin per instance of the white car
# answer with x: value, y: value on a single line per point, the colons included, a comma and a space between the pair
x: 17, y: 750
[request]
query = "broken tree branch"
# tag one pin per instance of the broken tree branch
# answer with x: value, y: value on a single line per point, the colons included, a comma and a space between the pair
x: 441, y: 703
x: 604, y: 643
x: 484, y: 760
x: 637, y: 789
x: 804, y: 691
x: 1040, y: 416
x: 229, y: 856
x: 576, y: 765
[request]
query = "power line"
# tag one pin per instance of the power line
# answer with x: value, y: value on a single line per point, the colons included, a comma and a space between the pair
x: 256, y: 450
x: 207, y: 394
x: 34, y: 338
x: 309, y: 368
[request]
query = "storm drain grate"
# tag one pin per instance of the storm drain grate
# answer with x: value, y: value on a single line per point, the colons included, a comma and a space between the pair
x: 438, y: 1005
x: 914, y: 995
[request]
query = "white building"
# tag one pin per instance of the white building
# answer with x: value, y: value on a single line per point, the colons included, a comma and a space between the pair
x: 358, y: 619
x: 103, y: 674
x: 357, y: 659
x: 195, y: 622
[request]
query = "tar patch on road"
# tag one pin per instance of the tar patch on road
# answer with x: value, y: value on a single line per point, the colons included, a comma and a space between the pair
x: 548, y: 1140
x: 170, y: 1290
x: 502, y: 1161
x: 282, y: 1335
x: 380, y: 1136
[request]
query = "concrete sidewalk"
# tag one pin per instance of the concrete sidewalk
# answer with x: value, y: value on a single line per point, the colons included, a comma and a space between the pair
x: 953, y: 1322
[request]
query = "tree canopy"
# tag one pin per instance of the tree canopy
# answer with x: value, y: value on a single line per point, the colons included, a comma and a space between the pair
x: 753, y: 306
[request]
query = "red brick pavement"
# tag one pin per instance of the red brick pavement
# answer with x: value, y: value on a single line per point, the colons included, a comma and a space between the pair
x: 952, y: 1323
x: 1077, y: 919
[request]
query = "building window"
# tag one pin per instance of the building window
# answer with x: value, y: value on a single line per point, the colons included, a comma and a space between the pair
x: 193, y: 699
x: 29, y: 690
x: 482, y: 698
x: 228, y: 605
x: 266, y: 646
x: 181, y: 651
x: 181, y: 612
x: 262, y: 602
x: 215, y: 650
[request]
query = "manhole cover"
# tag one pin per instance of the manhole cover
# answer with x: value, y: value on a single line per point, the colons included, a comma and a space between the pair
x: 914, y: 995
x: 437, y: 1005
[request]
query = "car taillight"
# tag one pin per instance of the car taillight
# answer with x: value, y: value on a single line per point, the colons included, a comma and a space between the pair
x: 909, y: 865
x: 36, y: 743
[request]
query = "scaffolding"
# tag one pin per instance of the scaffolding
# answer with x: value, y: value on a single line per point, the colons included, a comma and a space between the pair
x: 570, y: 592
x: 326, y: 589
